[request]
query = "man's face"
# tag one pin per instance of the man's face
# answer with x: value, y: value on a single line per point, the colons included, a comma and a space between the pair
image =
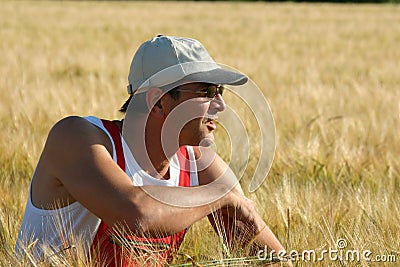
x: 195, y: 114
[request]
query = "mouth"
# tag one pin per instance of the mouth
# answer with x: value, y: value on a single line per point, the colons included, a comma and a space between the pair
x: 209, y: 122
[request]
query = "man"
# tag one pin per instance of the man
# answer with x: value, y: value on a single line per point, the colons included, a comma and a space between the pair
x: 117, y: 196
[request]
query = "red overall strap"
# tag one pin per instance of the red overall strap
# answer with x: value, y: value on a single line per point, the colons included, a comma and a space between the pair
x: 102, y: 250
x: 114, y: 250
x: 112, y: 128
x: 184, y: 163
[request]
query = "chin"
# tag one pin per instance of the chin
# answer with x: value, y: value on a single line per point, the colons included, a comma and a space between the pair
x: 207, y: 140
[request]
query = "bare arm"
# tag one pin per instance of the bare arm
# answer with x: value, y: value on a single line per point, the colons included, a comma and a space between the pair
x: 77, y: 163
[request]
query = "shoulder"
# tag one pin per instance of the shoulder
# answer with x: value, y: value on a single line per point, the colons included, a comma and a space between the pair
x: 76, y: 132
x: 201, y: 153
x: 73, y: 144
x: 71, y: 123
x: 210, y: 165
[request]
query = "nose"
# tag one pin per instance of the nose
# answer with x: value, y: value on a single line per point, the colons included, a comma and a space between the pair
x: 218, y: 103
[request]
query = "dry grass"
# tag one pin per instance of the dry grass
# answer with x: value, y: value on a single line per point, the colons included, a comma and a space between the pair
x: 330, y: 72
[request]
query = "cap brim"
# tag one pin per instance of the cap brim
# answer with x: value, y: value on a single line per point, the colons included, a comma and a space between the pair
x: 219, y: 76
x: 216, y: 76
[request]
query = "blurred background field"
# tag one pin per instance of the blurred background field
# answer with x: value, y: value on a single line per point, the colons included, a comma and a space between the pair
x: 330, y: 73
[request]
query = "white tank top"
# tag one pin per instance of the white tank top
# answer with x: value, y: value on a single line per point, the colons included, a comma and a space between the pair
x: 46, y: 232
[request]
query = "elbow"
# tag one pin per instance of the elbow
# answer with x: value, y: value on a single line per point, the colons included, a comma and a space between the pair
x: 131, y: 222
x: 148, y: 224
x: 137, y: 225
x: 133, y: 218
x: 139, y: 215
x: 142, y: 227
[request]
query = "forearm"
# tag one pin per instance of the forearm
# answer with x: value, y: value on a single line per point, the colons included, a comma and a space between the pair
x: 267, y: 238
x: 167, y: 220
x: 167, y: 210
x: 239, y: 234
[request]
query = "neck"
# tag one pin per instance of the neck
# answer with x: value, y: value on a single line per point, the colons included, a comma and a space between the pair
x: 159, y: 158
x: 147, y: 146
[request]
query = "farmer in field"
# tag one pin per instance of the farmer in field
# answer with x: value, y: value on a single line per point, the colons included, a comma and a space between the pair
x: 126, y: 191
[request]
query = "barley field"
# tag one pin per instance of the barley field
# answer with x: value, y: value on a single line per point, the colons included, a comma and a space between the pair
x: 331, y: 74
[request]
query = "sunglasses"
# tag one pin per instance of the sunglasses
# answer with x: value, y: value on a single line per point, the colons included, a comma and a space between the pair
x: 210, y: 91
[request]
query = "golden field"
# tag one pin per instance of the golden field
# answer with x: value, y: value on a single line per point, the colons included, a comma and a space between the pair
x: 330, y: 73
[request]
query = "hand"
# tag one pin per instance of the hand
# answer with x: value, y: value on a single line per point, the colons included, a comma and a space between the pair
x: 247, y: 222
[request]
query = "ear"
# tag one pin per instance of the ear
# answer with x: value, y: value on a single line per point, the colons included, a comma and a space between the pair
x: 153, y: 97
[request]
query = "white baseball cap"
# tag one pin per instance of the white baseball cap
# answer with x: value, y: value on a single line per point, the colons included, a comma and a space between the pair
x: 167, y: 62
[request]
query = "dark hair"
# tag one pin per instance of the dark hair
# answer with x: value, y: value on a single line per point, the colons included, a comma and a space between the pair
x: 125, y: 105
x: 174, y: 93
